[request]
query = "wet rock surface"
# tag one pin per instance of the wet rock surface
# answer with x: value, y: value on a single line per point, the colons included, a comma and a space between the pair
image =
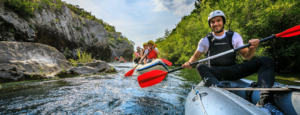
x: 87, y: 68
x: 27, y: 61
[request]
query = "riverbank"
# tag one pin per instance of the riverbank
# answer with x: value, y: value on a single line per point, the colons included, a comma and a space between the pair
x: 283, y: 78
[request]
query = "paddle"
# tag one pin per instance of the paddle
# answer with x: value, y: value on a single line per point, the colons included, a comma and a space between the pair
x: 166, y: 62
x: 156, y: 76
x: 130, y: 72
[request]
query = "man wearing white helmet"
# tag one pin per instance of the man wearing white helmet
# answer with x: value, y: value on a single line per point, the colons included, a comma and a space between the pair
x: 225, y: 67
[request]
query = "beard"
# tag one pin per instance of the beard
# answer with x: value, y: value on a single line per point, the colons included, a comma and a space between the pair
x: 218, y: 31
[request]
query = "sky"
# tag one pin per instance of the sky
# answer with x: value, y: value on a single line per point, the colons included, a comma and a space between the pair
x: 139, y: 20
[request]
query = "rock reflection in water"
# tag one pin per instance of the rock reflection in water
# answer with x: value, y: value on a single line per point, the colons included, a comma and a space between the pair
x: 100, y: 94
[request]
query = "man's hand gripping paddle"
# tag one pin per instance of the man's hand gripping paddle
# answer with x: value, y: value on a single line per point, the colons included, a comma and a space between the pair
x: 130, y: 72
x: 156, y: 76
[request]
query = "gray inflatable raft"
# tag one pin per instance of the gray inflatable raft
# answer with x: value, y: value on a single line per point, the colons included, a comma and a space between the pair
x: 203, y: 100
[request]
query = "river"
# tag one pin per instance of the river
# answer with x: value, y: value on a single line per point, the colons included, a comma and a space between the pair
x: 100, y: 94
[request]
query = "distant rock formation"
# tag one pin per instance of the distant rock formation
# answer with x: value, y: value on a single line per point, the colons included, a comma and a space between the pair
x: 26, y: 61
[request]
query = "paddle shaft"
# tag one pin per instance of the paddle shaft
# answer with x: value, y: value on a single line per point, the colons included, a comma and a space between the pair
x: 144, y: 57
x: 223, y: 53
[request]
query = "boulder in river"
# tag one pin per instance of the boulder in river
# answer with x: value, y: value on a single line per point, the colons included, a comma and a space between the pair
x: 26, y: 61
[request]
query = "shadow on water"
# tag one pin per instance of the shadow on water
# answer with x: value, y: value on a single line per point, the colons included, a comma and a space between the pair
x: 100, y: 94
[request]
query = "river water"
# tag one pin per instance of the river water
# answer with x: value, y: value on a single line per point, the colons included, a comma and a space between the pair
x: 100, y: 94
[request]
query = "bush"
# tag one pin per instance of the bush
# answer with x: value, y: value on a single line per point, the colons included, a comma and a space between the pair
x: 26, y: 8
x: 112, y: 45
x: 56, y: 20
x: 78, y: 28
x: 95, y: 40
x: 82, y: 39
x: 83, y: 57
x: 112, y: 39
x: 119, y: 40
x: 88, y: 15
x: 74, y: 62
x: 126, y: 39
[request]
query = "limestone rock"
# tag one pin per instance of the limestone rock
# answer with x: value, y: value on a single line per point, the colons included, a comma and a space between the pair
x: 20, y: 60
x: 87, y: 68
x: 63, y: 30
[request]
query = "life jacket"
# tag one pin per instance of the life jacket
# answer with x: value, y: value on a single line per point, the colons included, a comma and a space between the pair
x: 137, y: 54
x: 217, y: 46
x: 152, y: 54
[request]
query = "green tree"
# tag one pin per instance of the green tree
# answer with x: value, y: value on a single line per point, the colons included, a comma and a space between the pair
x: 250, y: 18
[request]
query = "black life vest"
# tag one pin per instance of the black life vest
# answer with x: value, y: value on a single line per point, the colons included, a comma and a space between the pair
x: 217, y: 46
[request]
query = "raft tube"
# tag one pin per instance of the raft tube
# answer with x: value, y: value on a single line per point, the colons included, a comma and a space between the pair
x: 154, y: 65
x: 214, y: 100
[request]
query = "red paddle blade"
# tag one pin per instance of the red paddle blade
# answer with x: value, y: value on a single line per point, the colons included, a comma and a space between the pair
x: 295, y: 29
x: 129, y: 73
x: 166, y: 62
x: 291, y: 34
x: 151, y: 78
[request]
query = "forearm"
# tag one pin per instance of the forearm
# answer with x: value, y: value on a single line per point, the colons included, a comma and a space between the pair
x: 157, y: 52
x: 193, y: 59
x: 249, y: 54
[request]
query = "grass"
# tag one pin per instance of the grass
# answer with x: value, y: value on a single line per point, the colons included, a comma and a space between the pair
x: 56, y: 20
x: 41, y: 70
x: 83, y: 57
x: 31, y: 75
x: 280, y: 78
x: 63, y: 68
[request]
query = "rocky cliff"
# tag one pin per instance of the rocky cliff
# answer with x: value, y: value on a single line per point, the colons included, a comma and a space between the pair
x: 120, y: 47
x: 64, y: 30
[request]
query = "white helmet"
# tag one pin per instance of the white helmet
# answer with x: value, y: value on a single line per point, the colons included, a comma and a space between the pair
x: 215, y: 14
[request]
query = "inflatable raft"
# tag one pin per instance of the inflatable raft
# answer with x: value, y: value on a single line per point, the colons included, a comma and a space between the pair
x: 203, y: 100
x: 154, y: 65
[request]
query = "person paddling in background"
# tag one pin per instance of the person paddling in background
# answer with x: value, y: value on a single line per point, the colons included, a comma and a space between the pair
x: 225, y: 67
x: 145, y: 45
x: 153, y: 54
x: 137, y: 55
x: 121, y: 58
x: 116, y: 58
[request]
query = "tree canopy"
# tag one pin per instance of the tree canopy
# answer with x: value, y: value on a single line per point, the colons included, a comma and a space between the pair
x: 250, y: 18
